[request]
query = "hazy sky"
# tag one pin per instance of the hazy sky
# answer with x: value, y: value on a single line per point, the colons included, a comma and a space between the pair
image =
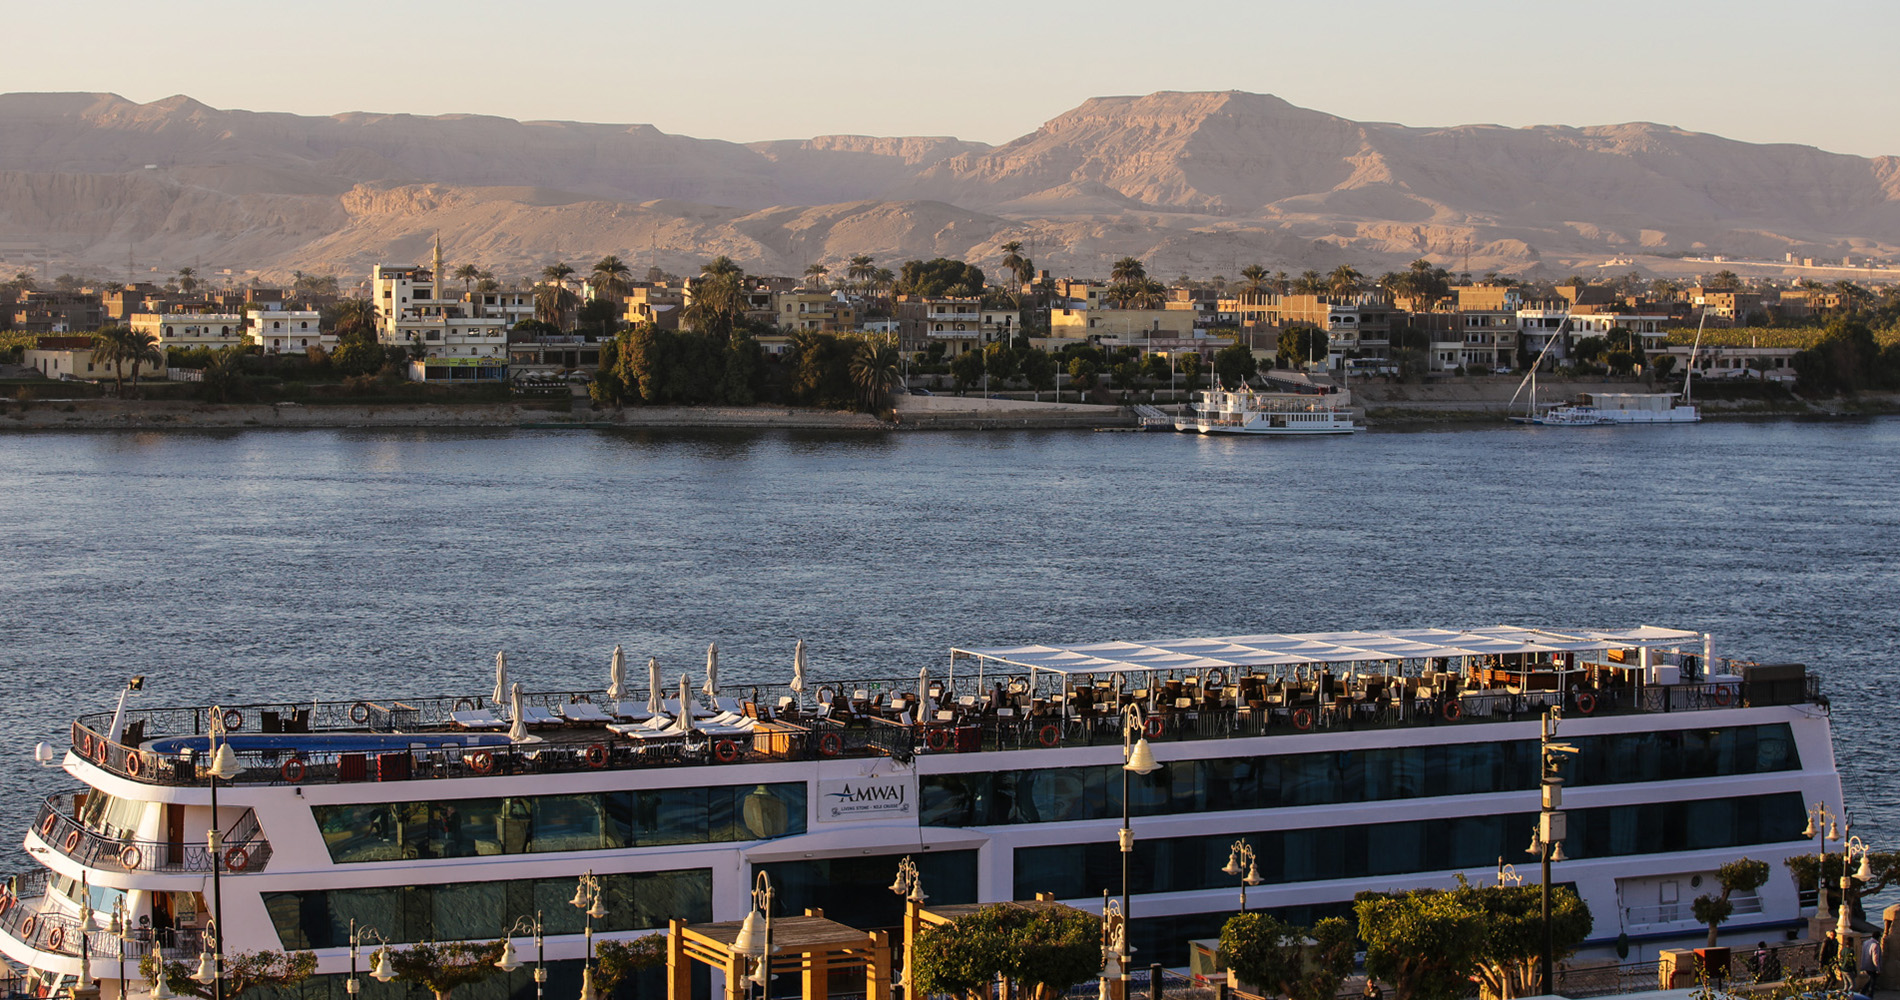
x: 1818, y: 72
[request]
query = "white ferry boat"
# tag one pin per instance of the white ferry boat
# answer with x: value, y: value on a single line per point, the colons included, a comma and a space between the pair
x: 1597, y: 408
x: 1245, y: 411
x: 1348, y: 760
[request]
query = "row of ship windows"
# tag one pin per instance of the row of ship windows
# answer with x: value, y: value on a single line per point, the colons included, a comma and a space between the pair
x: 1047, y: 795
x: 538, y: 824
x: 1469, y: 843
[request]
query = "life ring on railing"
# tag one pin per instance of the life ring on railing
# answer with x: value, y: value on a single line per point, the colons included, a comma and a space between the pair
x: 6, y: 904
x: 726, y: 751
x: 237, y: 859
x: 831, y: 744
x: 46, y: 828
x: 1723, y: 693
x: 596, y: 755
x: 72, y: 841
x: 133, y: 764
x: 1453, y: 709
x: 1154, y: 726
x: 99, y: 748
x: 464, y: 704
x: 85, y: 744
x: 359, y: 712
x: 233, y: 719
x: 292, y: 770
x: 1216, y: 678
x: 27, y: 926
x: 1049, y: 735
x: 1586, y: 702
x: 55, y: 938
x: 938, y: 739
x: 1302, y: 719
x: 481, y: 762
x: 130, y: 856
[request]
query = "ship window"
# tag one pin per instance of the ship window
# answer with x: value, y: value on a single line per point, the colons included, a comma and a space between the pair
x: 856, y: 890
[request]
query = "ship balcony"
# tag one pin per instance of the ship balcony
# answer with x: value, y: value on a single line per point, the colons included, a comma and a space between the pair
x: 43, y: 931
x: 245, y: 847
x: 419, y: 739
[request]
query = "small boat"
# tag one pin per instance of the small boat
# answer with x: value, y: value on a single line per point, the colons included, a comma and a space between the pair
x: 1281, y: 414
x: 1597, y: 409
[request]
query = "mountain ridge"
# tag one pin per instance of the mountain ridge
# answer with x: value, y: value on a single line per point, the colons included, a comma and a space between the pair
x: 1196, y: 182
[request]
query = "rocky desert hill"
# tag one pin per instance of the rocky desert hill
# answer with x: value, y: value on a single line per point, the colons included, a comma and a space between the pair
x: 1199, y: 183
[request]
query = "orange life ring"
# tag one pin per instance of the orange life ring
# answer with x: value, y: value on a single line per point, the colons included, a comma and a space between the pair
x: 85, y: 744
x: 133, y: 763
x: 1049, y: 735
x: 726, y: 750
x: 233, y: 719
x: 6, y: 903
x: 831, y: 744
x: 237, y: 859
x: 939, y: 739
x: 1153, y: 726
x: 129, y: 857
x: 292, y: 770
x: 27, y: 926
x: 72, y: 841
x: 481, y: 762
x: 55, y: 938
x: 99, y: 750
x: 1723, y: 693
x: 359, y: 712
x: 596, y: 755
x: 1302, y: 719
x: 1586, y: 702
x: 1453, y: 709
x: 46, y: 828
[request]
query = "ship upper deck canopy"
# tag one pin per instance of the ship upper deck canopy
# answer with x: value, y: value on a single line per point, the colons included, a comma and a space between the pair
x: 1313, y: 648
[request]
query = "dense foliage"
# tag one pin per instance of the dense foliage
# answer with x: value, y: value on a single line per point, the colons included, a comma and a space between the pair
x: 1431, y: 943
x: 1847, y: 359
x: 648, y: 365
x: 940, y: 277
x: 442, y: 968
x: 1050, y: 948
x: 1742, y: 875
x: 243, y: 971
x: 614, y: 960
x: 1281, y: 959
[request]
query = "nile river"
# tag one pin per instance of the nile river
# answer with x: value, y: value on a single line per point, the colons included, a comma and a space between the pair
x: 292, y: 565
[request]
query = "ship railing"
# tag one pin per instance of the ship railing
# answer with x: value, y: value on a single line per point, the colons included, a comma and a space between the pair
x: 1800, y: 960
x: 244, y: 843
x: 28, y: 916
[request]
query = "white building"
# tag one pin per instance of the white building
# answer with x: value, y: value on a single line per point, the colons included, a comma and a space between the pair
x: 186, y: 331
x: 287, y: 331
x: 412, y: 308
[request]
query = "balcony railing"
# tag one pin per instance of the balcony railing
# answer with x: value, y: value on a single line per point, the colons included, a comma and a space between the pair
x: 30, y: 917
x: 866, y: 727
x: 245, y: 848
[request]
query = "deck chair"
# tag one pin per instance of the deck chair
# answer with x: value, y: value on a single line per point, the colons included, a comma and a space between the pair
x: 584, y: 712
x: 535, y: 715
x: 480, y: 718
x: 630, y: 711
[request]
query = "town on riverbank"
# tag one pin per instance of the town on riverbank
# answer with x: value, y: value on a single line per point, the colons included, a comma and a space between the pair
x: 938, y: 344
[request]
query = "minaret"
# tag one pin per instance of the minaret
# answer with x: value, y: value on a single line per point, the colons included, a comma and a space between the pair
x: 436, y: 263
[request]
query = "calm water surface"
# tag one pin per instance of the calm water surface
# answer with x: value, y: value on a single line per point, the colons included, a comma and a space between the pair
x: 276, y: 565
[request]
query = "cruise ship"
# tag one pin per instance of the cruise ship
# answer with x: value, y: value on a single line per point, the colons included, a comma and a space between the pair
x: 1349, y: 761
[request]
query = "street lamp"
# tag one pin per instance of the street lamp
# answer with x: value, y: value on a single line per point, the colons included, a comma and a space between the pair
x: 509, y: 963
x: 1547, y: 841
x: 1854, y: 846
x: 755, y: 934
x: 1114, y: 948
x: 1507, y: 875
x: 587, y: 900
x: 382, y: 972
x: 1240, y: 862
x: 121, y: 926
x: 1137, y: 758
x: 909, y: 885
x: 224, y: 764
x: 1823, y: 826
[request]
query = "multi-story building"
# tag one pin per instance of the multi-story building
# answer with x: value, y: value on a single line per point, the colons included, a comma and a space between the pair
x: 1537, y: 324
x: 71, y: 358
x: 800, y: 311
x: 413, y: 310
x: 1734, y: 362
x: 1731, y: 304
x: 189, y: 331
x: 1151, y: 329
x: 658, y: 304
x: 55, y: 312
x: 287, y: 331
x: 957, y: 323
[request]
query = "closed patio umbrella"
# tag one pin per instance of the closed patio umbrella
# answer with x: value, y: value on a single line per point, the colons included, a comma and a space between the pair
x: 683, y: 723
x: 500, y: 697
x: 655, y: 703
x: 712, y: 677
x: 798, y: 671
x: 617, y: 677
x: 518, y: 732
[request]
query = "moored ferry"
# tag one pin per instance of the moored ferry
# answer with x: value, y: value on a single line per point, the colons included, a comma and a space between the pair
x: 1275, y: 414
x: 1348, y: 760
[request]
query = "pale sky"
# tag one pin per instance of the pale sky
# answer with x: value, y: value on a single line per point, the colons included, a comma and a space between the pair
x: 1818, y: 72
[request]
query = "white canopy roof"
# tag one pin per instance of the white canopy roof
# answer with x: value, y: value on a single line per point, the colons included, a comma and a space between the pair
x: 1319, y: 647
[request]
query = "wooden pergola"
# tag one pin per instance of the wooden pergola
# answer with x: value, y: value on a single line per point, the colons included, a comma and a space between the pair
x: 809, y: 946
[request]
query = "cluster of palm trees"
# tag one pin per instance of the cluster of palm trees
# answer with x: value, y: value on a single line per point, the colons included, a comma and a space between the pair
x: 121, y: 347
x: 1131, y: 288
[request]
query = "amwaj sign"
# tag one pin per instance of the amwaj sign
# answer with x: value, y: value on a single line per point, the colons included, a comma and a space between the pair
x: 887, y: 797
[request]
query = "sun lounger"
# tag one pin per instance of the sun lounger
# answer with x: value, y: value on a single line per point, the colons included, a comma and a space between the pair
x: 480, y: 718
x: 583, y: 711
x: 631, y: 711
x: 535, y: 715
x: 672, y: 706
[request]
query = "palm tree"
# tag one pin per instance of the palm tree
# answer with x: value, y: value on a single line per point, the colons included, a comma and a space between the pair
x: 1256, y: 276
x: 718, y: 303
x: 1279, y: 284
x: 861, y: 271
x: 467, y: 274
x: 354, y: 319
x: 874, y: 373
x: 720, y: 265
x: 142, y: 349
x: 815, y: 275
x: 1310, y: 282
x: 609, y: 278
x: 187, y: 280
x: 1127, y: 269
x: 112, y: 345
x: 557, y: 272
x: 1344, y: 280
x: 1016, y: 264
x: 883, y: 279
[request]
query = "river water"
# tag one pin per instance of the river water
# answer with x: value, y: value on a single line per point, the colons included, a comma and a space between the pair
x: 291, y: 565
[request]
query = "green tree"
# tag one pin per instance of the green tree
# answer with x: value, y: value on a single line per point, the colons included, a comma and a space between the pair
x: 1122, y: 374
x: 442, y: 968
x: 861, y: 271
x: 187, y: 279
x: 1019, y: 266
x: 615, y: 961
x: 815, y: 275
x: 1431, y: 943
x: 243, y: 972
x: 552, y: 299
x: 1127, y: 270
x: 874, y: 371
x: 1741, y: 875
x: 599, y: 313
x: 223, y: 377
x: 1191, y: 368
x: 719, y: 300
x: 112, y: 345
x: 1048, y: 948
x: 142, y: 349
x: 1235, y: 364
x: 609, y: 278
x: 467, y: 274
x: 1512, y: 949
x: 1082, y: 372
x: 1256, y: 280
x: 1846, y: 360
x: 1344, y: 281
x: 820, y: 366
x: 939, y: 277
x: 1299, y: 345
x: 999, y: 359
x: 1038, y: 369
x: 1724, y: 280
x: 967, y: 369
x: 1282, y: 959
x: 1157, y: 368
